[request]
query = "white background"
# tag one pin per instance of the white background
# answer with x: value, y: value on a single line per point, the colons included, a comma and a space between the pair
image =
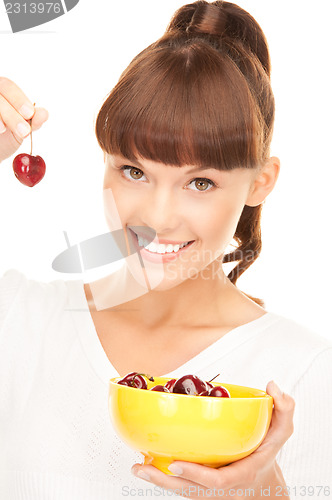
x: 70, y: 64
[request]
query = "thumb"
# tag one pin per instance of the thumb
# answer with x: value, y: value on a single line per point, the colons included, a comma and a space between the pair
x: 282, y: 426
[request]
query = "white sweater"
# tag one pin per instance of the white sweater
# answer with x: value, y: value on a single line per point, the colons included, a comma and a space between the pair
x: 56, y: 438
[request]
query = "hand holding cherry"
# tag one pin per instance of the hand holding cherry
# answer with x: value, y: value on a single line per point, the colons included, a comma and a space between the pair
x: 18, y: 117
x: 28, y: 169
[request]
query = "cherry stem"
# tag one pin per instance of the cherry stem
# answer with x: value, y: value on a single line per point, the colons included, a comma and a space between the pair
x: 34, y: 104
x: 214, y: 377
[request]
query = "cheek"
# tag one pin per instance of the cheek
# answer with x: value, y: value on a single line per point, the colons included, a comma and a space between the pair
x: 218, y: 221
x: 118, y: 202
x: 114, y: 209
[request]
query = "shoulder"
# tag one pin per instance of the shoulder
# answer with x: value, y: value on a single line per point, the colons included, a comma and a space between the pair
x: 14, y: 281
x: 294, y: 346
x: 10, y: 280
x: 297, y: 334
x: 22, y: 296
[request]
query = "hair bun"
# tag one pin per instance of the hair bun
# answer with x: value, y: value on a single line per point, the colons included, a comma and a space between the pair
x: 225, y: 20
x: 209, y: 19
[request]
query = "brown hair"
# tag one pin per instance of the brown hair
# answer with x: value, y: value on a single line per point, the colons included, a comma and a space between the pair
x: 200, y: 95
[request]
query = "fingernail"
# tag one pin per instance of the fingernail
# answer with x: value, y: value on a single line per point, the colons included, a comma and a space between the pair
x: 175, y: 469
x: 277, y: 388
x: 23, y: 129
x: 143, y: 475
x: 27, y: 111
x: 2, y: 127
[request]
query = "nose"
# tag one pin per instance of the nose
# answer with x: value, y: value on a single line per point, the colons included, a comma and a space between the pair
x: 160, y: 211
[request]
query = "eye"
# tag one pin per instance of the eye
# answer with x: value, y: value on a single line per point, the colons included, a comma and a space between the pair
x: 134, y: 173
x: 202, y: 184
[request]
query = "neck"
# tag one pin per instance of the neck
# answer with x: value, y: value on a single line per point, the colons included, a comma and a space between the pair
x: 199, y: 301
x: 195, y: 302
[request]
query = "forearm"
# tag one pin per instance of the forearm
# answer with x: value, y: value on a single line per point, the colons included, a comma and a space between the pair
x: 274, y: 486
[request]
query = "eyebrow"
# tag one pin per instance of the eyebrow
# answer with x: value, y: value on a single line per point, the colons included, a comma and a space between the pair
x: 196, y: 169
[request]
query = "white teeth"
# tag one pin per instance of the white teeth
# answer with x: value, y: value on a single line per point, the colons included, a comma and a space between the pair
x: 162, y: 248
x: 152, y: 246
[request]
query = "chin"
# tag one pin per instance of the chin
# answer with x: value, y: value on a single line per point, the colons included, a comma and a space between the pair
x: 158, y: 281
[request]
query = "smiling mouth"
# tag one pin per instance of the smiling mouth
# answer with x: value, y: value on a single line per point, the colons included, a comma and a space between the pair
x: 161, y: 248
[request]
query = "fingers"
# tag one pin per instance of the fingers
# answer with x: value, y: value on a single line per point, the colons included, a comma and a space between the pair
x: 281, y: 427
x: 16, y: 110
x: 179, y: 486
x: 14, y: 122
x: 237, y: 474
x: 2, y: 127
x: 16, y: 97
x: 40, y: 117
x: 198, y: 480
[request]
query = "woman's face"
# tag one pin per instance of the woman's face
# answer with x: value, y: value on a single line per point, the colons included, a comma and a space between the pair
x: 181, y: 205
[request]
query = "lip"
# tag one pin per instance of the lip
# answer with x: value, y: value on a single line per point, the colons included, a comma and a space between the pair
x: 159, y: 257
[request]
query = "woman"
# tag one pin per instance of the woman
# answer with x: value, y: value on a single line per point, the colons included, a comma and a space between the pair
x: 186, y: 135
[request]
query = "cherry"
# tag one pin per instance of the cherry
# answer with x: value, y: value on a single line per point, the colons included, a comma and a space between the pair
x: 205, y: 393
x: 134, y: 379
x: 189, y: 384
x: 169, y: 385
x: 28, y: 169
x: 161, y: 388
x: 219, y: 392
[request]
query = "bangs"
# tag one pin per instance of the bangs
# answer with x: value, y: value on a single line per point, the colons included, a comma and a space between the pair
x: 182, y: 105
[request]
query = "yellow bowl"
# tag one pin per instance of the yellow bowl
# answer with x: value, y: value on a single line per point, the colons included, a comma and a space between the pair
x: 210, y: 431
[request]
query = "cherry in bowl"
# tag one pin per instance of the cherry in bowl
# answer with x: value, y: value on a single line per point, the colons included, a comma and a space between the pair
x: 167, y: 426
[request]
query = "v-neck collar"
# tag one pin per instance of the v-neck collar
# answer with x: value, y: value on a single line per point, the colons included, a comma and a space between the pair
x: 79, y: 309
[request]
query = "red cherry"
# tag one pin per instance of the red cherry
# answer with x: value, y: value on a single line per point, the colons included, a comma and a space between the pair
x: 189, y: 384
x: 134, y: 379
x: 219, y: 392
x: 169, y: 385
x: 208, y: 384
x: 205, y: 393
x: 160, y: 388
x: 28, y: 169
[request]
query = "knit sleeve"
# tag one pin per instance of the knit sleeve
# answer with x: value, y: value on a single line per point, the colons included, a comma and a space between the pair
x: 306, y: 458
x: 10, y: 283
